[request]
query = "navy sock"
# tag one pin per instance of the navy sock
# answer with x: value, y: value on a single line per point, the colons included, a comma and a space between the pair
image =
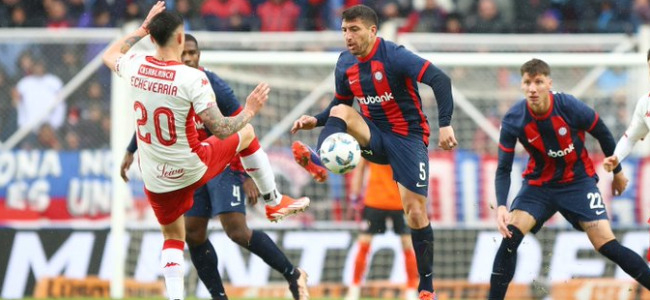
x: 264, y: 247
x: 206, y: 262
x: 628, y: 260
x: 423, y: 245
x: 505, y: 263
x: 261, y: 245
x: 333, y: 125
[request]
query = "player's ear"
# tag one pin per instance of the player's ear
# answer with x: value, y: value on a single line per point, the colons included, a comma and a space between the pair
x: 180, y: 37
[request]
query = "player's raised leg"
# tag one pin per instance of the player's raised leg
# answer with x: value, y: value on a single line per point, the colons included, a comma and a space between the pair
x: 257, y: 165
x: 601, y: 236
x: 260, y: 244
x: 505, y: 261
x: 342, y: 118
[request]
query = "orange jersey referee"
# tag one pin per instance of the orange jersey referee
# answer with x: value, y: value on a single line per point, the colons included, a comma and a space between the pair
x: 381, y: 202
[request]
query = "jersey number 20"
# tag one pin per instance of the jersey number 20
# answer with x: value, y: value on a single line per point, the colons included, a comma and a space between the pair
x: 157, y: 114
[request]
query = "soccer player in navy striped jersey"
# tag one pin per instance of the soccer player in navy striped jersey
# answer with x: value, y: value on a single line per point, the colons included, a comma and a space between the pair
x: 560, y: 176
x: 391, y: 127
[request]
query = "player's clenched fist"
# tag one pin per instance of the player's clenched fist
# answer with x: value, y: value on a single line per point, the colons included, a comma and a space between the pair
x: 304, y: 122
x: 258, y: 97
x: 447, y: 139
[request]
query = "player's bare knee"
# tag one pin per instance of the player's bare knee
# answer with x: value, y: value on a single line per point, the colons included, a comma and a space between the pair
x: 195, y: 236
x: 341, y: 111
x: 246, y: 136
x: 238, y: 235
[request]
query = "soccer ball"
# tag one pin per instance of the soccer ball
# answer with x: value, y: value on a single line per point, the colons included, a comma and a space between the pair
x: 340, y: 153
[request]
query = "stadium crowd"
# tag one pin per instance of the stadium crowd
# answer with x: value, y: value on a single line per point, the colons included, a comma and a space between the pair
x: 481, y: 16
x: 82, y: 121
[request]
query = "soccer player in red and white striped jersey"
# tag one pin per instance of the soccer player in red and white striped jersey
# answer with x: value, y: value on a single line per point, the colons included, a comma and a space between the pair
x: 166, y: 96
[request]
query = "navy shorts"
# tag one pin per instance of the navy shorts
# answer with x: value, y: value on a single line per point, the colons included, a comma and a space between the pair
x: 377, y: 218
x: 577, y: 202
x: 223, y: 193
x: 407, y: 156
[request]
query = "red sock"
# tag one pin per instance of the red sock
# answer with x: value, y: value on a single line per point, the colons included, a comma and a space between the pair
x: 412, y: 276
x: 252, y: 148
x: 360, y: 262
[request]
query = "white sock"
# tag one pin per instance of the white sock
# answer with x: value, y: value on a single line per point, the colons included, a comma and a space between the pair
x: 173, y: 268
x: 257, y: 165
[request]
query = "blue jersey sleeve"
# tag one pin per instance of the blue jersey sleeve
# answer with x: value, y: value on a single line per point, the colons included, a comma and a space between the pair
x: 507, y: 143
x: 226, y: 100
x: 414, y: 66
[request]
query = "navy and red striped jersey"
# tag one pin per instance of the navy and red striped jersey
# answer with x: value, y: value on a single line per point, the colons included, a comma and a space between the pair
x: 555, y: 141
x: 384, y: 83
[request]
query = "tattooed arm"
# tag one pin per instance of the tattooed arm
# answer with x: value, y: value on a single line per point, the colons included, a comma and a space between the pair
x: 222, y: 127
x: 122, y: 46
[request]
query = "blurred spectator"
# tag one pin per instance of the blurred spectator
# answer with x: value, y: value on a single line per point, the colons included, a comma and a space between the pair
x: 614, y: 16
x: 190, y: 15
x: 34, y: 12
x: 577, y: 16
x: 71, y: 141
x: 8, y: 121
x: 37, y: 92
x: 25, y: 63
x: 91, y: 128
x: 227, y: 15
x: 468, y: 7
x: 431, y: 18
x: 388, y: 10
x: 68, y: 65
x: 527, y: 12
x: 278, y: 15
x: 76, y: 10
x: 19, y: 17
x: 47, y: 138
x: 315, y: 14
x: 454, y: 24
x: 99, y: 16
x: 94, y: 96
x: 57, y: 14
x: 549, y: 22
x: 641, y: 12
x: 486, y: 19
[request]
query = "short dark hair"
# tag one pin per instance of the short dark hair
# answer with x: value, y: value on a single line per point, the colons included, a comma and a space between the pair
x: 535, y: 67
x: 189, y: 37
x: 362, y: 12
x: 648, y: 58
x: 163, y: 25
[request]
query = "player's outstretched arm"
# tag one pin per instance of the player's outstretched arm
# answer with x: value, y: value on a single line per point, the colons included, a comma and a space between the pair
x: 122, y: 46
x: 222, y: 127
x: 305, y: 122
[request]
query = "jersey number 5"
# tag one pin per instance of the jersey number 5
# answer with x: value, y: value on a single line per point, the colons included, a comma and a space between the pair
x: 157, y: 114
